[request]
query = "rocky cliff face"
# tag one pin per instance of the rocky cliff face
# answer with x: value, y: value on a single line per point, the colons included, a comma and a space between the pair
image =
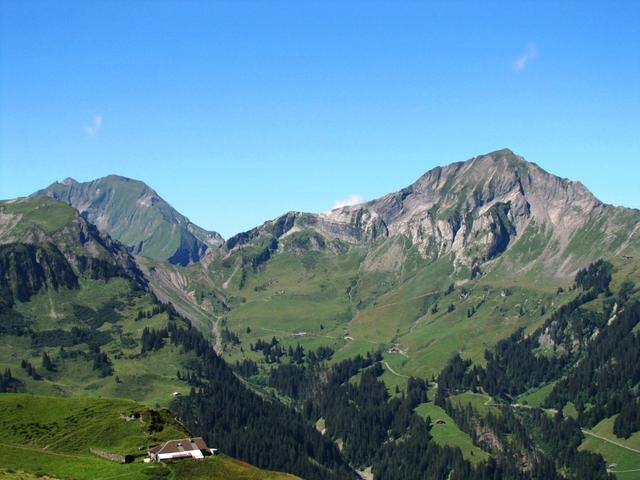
x: 137, y: 216
x: 477, y: 211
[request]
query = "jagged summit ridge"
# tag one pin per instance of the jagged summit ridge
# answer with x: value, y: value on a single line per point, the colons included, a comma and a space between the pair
x: 475, y: 210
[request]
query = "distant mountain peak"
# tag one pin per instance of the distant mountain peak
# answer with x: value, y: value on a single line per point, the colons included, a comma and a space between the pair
x: 68, y: 181
x: 133, y: 213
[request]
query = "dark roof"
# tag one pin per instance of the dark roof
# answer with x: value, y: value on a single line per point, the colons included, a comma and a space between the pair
x: 180, y: 445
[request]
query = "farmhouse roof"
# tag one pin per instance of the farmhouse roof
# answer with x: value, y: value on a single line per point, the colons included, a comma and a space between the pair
x: 181, y: 445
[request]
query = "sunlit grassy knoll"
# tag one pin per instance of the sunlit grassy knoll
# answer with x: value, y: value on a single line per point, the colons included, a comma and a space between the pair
x: 73, y: 425
x: 536, y: 396
x: 614, y: 455
x: 480, y: 402
x: 45, y: 213
x: 50, y: 436
x: 448, y: 433
x: 53, y: 435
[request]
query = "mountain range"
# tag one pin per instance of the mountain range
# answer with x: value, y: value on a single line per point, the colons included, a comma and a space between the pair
x: 473, y: 277
x: 476, y: 210
x: 491, y: 222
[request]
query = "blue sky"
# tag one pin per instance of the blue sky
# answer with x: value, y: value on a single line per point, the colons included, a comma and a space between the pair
x: 236, y: 112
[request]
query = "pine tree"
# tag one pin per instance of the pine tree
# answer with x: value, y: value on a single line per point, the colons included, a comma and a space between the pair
x: 47, y: 364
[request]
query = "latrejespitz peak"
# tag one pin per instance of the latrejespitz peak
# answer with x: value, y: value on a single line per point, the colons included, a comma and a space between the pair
x: 481, y: 323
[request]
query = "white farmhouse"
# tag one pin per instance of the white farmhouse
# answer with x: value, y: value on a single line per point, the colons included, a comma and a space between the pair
x: 194, y: 448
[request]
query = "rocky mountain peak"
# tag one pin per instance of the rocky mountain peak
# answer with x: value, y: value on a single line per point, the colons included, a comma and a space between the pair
x: 68, y: 181
x: 472, y: 187
x: 475, y: 210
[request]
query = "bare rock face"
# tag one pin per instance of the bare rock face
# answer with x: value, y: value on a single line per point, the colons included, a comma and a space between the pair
x: 477, y: 211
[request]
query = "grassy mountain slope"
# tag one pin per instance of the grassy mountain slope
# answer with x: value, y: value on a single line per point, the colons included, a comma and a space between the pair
x: 503, y: 231
x: 613, y: 448
x: 137, y: 216
x: 333, y: 301
x: 455, y: 263
x: 52, y: 436
x: 76, y: 319
x: 109, y: 314
x: 70, y: 292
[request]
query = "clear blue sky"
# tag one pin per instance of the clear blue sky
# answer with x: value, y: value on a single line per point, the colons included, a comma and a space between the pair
x: 236, y: 112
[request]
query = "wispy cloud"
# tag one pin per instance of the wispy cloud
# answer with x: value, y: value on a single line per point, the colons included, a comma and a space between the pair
x: 352, y: 199
x: 522, y: 61
x: 93, y: 128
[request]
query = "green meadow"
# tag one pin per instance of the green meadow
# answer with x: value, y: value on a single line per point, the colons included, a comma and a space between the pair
x: 448, y: 433
x: 621, y: 452
x: 320, y: 298
x: 51, y: 437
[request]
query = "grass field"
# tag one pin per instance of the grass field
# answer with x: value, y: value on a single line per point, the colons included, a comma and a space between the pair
x: 449, y: 433
x: 480, y: 402
x: 49, y: 436
x: 11, y: 474
x: 625, y: 459
x: 319, y: 298
x: 536, y: 397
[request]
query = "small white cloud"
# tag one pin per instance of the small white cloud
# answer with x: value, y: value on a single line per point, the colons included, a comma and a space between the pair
x: 353, y: 199
x: 521, y: 62
x: 94, y: 127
